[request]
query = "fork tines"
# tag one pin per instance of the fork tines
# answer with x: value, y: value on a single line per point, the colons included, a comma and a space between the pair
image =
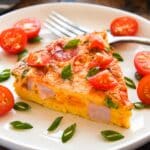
x: 61, y: 26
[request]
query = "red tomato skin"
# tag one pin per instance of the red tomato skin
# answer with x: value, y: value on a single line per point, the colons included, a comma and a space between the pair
x: 143, y: 90
x: 26, y: 24
x: 39, y: 58
x: 101, y: 60
x: 7, y: 97
x: 124, y: 26
x: 13, y: 40
x: 145, y: 60
x: 103, y: 81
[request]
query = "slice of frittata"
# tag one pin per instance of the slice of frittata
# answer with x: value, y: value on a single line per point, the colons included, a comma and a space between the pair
x: 78, y: 76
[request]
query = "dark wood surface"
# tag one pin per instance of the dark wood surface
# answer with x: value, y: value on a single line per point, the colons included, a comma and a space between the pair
x: 140, y: 7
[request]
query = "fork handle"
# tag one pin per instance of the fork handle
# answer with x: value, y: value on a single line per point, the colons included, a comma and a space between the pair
x: 132, y: 39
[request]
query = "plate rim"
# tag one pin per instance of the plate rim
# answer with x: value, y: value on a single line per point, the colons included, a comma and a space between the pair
x: 4, y: 141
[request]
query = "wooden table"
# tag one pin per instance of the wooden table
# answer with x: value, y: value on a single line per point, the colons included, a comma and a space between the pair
x: 140, y: 7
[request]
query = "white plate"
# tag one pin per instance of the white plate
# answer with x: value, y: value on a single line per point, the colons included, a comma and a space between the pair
x: 87, y: 135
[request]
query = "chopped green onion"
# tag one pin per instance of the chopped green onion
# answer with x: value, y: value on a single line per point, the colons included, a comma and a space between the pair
x: 130, y: 83
x: 22, y: 54
x: 20, y: 125
x: 111, y: 135
x: 117, y: 56
x: 138, y: 76
x: 55, y: 124
x: 4, y: 75
x: 21, y: 106
x: 66, y: 72
x: 109, y: 103
x: 138, y: 105
x: 35, y: 39
x: 93, y: 71
x: 68, y: 133
x: 72, y: 44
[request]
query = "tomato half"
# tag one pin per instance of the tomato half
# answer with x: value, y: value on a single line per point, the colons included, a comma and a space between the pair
x: 143, y: 90
x: 31, y: 26
x: 142, y: 62
x: 58, y: 53
x: 96, y: 43
x: 101, y: 60
x: 13, y: 40
x: 6, y: 100
x: 39, y: 58
x: 124, y: 26
x: 103, y: 80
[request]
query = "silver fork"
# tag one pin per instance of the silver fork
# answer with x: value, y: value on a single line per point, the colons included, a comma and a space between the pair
x: 61, y: 26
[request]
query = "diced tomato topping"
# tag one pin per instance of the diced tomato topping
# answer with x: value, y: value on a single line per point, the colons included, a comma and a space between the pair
x: 142, y: 62
x: 101, y: 60
x: 39, y: 58
x: 103, y: 80
x: 13, y: 41
x: 143, y: 89
x: 124, y: 26
x: 6, y: 100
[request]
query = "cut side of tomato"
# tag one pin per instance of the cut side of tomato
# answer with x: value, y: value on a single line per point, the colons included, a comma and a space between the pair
x: 96, y: 43
x: 6, y: 100
x: 103, y: 80
x: 31, y: 26
x: 58, y: 53
x: 142, y: 62
x: 13, y: 40
x: 124, y: 26
x: 39, y: 58
x: 101, y: 60
x: 143, y: 90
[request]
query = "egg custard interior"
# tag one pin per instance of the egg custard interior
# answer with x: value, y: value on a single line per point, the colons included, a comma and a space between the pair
x: 76, y: 75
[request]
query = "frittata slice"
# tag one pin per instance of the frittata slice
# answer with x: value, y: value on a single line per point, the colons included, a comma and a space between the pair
x: 76, y: 75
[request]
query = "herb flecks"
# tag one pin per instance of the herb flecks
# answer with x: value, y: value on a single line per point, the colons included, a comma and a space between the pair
x: 117, y: 56
x: 24, y: 73
x: 68, y: 133
x: 35, y: 39
x: 22, y: 54
x: 93, y: 71
x: 72, y: 44
x: 21, y: 106
x: 4, y: 75
x: 110, y: 104
x: 138, y: 76
x: 21, y: 125
x: 55, y: 124
x: 130, y: 83
x: 66, y: 72
x: 111, y: 135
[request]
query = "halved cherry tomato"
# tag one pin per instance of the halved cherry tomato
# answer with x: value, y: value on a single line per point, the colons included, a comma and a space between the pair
x: 103, y: 80
x: 101, y: 60
x: 31, y: 26
x: 96, y: 43
x: 13, y: 40
x: 142, y: 62
x: 124, y: 26
x: 39, y: 58
x: 143, y: 90
x: 58, y: 53
x: 6, y: 100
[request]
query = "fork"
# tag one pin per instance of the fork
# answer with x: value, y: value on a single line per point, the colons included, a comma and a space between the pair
x: 61, y: 26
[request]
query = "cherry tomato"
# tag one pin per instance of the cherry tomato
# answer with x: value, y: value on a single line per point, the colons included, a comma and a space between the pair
x: 13, y: 40
x: 6, y: 100
x: 103, y: 80
x: 143, y: 89
x: 79, y: 62
x: 58, y: 53
x: 124, y: 26
x: 31, y: 26
x: 142, y: 62
x: 101, y: 60
x: 39, y: 58
x: 96, y: 43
